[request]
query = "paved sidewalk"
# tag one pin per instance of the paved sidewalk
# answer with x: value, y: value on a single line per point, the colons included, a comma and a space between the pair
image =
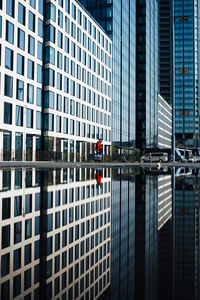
x: 53, y: 164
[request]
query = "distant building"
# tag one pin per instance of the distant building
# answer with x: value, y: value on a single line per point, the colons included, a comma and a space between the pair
x: 55, y: 81
x: 118, y: 18
x: 187, y: 73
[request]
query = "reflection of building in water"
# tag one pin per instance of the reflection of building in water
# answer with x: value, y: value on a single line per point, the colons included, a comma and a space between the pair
x: 123, y: 237
x: 186, y: 230
x: 71, y: 257
x: 153, y: 214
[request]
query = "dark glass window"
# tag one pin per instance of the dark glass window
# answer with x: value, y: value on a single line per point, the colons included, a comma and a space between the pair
x: 8, y: 86
x: 17, y: 206
x: 17, y: 259
x: 17, y: 232
x: 5, y: 236
x: 5, y: 290
x: 27, y: 254
x: 28, y: 203
x: 27, y: 279
x: 16, y: 285
x: 5, y: 264
x: 5, y: 208
x: 28, y: 228
x: 7, y: 113
x: 9, y: 59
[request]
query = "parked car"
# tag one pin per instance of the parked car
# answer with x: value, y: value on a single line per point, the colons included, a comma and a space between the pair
x: 180, y: 155
x: 155, y: 157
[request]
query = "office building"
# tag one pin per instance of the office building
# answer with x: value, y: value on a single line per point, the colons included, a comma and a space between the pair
x: 166, y: 49
x: 118, y: 18
x: 55, y: 229
x: 55, y: 81
x: 186, y: 49
x: 147, y: 74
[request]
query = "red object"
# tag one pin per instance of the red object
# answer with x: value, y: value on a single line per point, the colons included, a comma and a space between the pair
x: 99, y: 146
x: 99, y: 178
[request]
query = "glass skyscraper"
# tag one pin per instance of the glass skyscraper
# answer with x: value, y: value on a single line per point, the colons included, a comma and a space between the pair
x: 118, y: 18
x: 186, y: 34
x: 147, y: 74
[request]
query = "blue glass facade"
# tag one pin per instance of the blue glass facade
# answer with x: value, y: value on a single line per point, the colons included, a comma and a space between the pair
x: 186, y: 32
x: 147, y: 74
x: 118, y: 18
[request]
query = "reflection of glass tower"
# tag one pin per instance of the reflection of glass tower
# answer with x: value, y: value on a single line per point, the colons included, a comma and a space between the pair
x: 186, y: 230
x: 186, y: 48
x: 118, y: 18
x: 55, y: 239
x: 146, y: 237
x: 153, y: 236
x: 123, y: 237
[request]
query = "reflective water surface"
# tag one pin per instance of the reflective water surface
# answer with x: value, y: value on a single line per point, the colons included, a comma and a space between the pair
x: 99, y: 234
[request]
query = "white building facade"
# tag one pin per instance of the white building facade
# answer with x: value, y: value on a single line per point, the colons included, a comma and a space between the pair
x: 55, y: 80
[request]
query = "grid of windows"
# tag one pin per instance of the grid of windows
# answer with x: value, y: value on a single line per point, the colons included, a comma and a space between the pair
x: 74, y: 234
x: 77, y: 66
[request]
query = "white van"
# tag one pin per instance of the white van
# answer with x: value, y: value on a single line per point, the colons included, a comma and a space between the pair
x: 154, y: 157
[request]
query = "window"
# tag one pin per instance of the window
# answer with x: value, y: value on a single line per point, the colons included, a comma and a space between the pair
x: 8, y: 86
x: 5, y: 237
x: 20, y: 90
x: 21, y: 14
x: 31, y: 45
x: 29, y: 118
x: 50, y: 33
x: 73, y: 11
x: 66, y: 44
x: 10, y: 7
x: 30, y: 93
x: 5, y: 208
x: 59, y: 81
x: 19, y: 115
x: 21, y: 39
x: 31, y: 21
x: 17, y: 206
x: 39, y: 74
x: 60, y: 39
x: 9, y: 32
x: 20, y: 64
x: 30, y: 69
x: 49, y: 99
x: 58, y: 124
x: 38, y: 120
x: 59, y: 60
x: 51, y: 12
x: 39, y: 97
x: 40, y: 26
x: 60, y: 18
x: 9, y: 59
x: 49, y: 55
